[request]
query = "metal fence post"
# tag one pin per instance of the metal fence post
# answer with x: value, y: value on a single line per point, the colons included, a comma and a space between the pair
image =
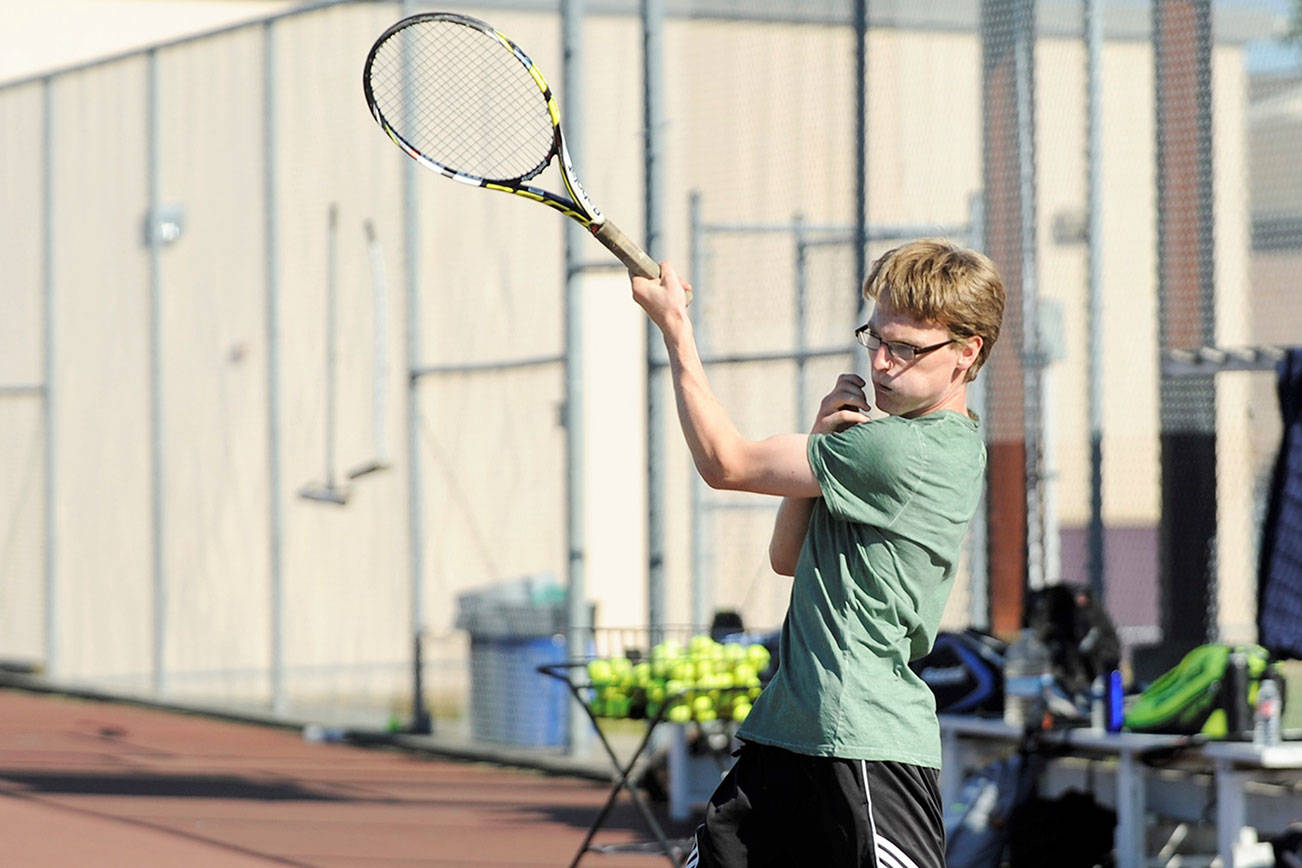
x: 1032, y: 354
x: 572, y: 14
x: 421, y: 721
x: 702, y: 554
x: 1093, y: 25
x: 50, y: 530
x: 860, y: 153
x: 155, y: 375
x: 979, y: 530
x: 653, y: 15
x: 801, y: 326
x: 275, y: 502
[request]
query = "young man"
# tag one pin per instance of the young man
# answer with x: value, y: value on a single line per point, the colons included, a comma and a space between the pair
x: 840, y: 757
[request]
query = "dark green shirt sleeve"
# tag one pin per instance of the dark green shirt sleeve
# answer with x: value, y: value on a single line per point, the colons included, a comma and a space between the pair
x: 867, y: 472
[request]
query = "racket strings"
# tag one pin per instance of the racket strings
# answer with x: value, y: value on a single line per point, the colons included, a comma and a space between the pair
x: 462, y: 98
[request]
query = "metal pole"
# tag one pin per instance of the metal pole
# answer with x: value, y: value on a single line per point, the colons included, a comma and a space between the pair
x: 860, y: 156
x: 420, y: 718
x: 572, y: 14
x: 979, y: 530
x: 702, y: 572
x: 653, y: 13
x: 157, y: 520
x: 1093, y: 26
x: 275, y: 502
x: 379, y: 358
x: 1024, y: 84
x: 802, y: 293
x: 52, y: 662
x: 380, y: 326
x: 331, y: 338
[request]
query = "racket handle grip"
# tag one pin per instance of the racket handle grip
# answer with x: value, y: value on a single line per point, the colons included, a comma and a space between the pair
x: 629, y: 252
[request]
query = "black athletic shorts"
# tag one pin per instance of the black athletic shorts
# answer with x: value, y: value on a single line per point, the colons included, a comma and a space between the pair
x: 780, y: 808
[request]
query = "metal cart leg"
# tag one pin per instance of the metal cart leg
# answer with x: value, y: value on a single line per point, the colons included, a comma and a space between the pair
x: 624, y: 777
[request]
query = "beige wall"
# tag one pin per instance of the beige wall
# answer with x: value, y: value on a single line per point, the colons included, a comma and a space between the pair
x: 491, y: 448
x: 53, y: 34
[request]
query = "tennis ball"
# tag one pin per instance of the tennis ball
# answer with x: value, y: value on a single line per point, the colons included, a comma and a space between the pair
x: 679, y: 713
x: 600, y: 672
x: 667, y: 650
x: 740, y: 711
x: 699, y: 643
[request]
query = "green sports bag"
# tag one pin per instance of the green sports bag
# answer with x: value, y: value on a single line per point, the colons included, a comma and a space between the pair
x: 1197, y: 696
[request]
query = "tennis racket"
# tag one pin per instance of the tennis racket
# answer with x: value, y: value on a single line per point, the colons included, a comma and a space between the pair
x: 462, y: 99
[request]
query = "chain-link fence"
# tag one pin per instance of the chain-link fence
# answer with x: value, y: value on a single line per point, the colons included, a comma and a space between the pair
x: 253, y: 455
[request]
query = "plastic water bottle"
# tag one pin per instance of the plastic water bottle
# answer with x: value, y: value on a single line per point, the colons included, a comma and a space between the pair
x: 1027, y: 674
x: 1099, y: 704
x: 1265, y: 719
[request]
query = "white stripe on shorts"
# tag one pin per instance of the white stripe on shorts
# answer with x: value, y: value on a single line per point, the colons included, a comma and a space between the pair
x: 872, y: 824
x: 893, y: 852
x: 885, y: 853
x: 694, y: 857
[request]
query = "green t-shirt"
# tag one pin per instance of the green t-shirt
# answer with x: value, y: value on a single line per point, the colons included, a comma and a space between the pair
x: 870, y: 587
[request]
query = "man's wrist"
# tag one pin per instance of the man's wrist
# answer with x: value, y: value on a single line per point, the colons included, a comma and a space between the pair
x: 677, y: 329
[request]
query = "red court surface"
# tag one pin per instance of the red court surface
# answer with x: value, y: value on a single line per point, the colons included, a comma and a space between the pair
x: 99, y: 783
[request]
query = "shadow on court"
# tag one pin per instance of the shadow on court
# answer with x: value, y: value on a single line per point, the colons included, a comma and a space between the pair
x: 182, y: 787
x: 87, y: 782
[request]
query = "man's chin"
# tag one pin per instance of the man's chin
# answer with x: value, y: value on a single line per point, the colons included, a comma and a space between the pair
x: 893, y: 403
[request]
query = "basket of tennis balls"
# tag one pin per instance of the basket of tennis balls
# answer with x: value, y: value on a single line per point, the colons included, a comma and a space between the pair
x: 701, y: 680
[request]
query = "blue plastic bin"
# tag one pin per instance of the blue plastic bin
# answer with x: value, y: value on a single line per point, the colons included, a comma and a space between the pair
x: 510, y: 701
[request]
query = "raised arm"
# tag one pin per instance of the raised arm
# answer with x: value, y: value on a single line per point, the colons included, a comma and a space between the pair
x: 725, y: 459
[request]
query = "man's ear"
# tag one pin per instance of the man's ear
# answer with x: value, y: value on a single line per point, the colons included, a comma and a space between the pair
x: 968, y: 350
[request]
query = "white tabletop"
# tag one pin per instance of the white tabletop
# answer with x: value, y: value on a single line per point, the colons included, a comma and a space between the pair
x: 1109, y: 742
x: 1287, y: 755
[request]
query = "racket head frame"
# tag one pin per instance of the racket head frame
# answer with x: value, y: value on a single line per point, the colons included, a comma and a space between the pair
x: 576, y: 205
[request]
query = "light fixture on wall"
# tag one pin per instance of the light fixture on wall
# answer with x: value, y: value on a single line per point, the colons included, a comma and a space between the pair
x: 164, y: 225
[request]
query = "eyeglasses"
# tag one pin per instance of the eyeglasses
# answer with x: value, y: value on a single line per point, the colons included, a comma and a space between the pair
x: 897, y: 350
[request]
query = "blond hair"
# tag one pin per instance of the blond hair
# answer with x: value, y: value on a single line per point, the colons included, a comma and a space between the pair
x: 938, y: 281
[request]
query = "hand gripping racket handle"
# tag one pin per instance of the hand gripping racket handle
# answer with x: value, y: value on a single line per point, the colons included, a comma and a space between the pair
x: 627, y: 250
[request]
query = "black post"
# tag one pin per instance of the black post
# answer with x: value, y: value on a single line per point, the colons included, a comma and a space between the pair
x: 421, y: 723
